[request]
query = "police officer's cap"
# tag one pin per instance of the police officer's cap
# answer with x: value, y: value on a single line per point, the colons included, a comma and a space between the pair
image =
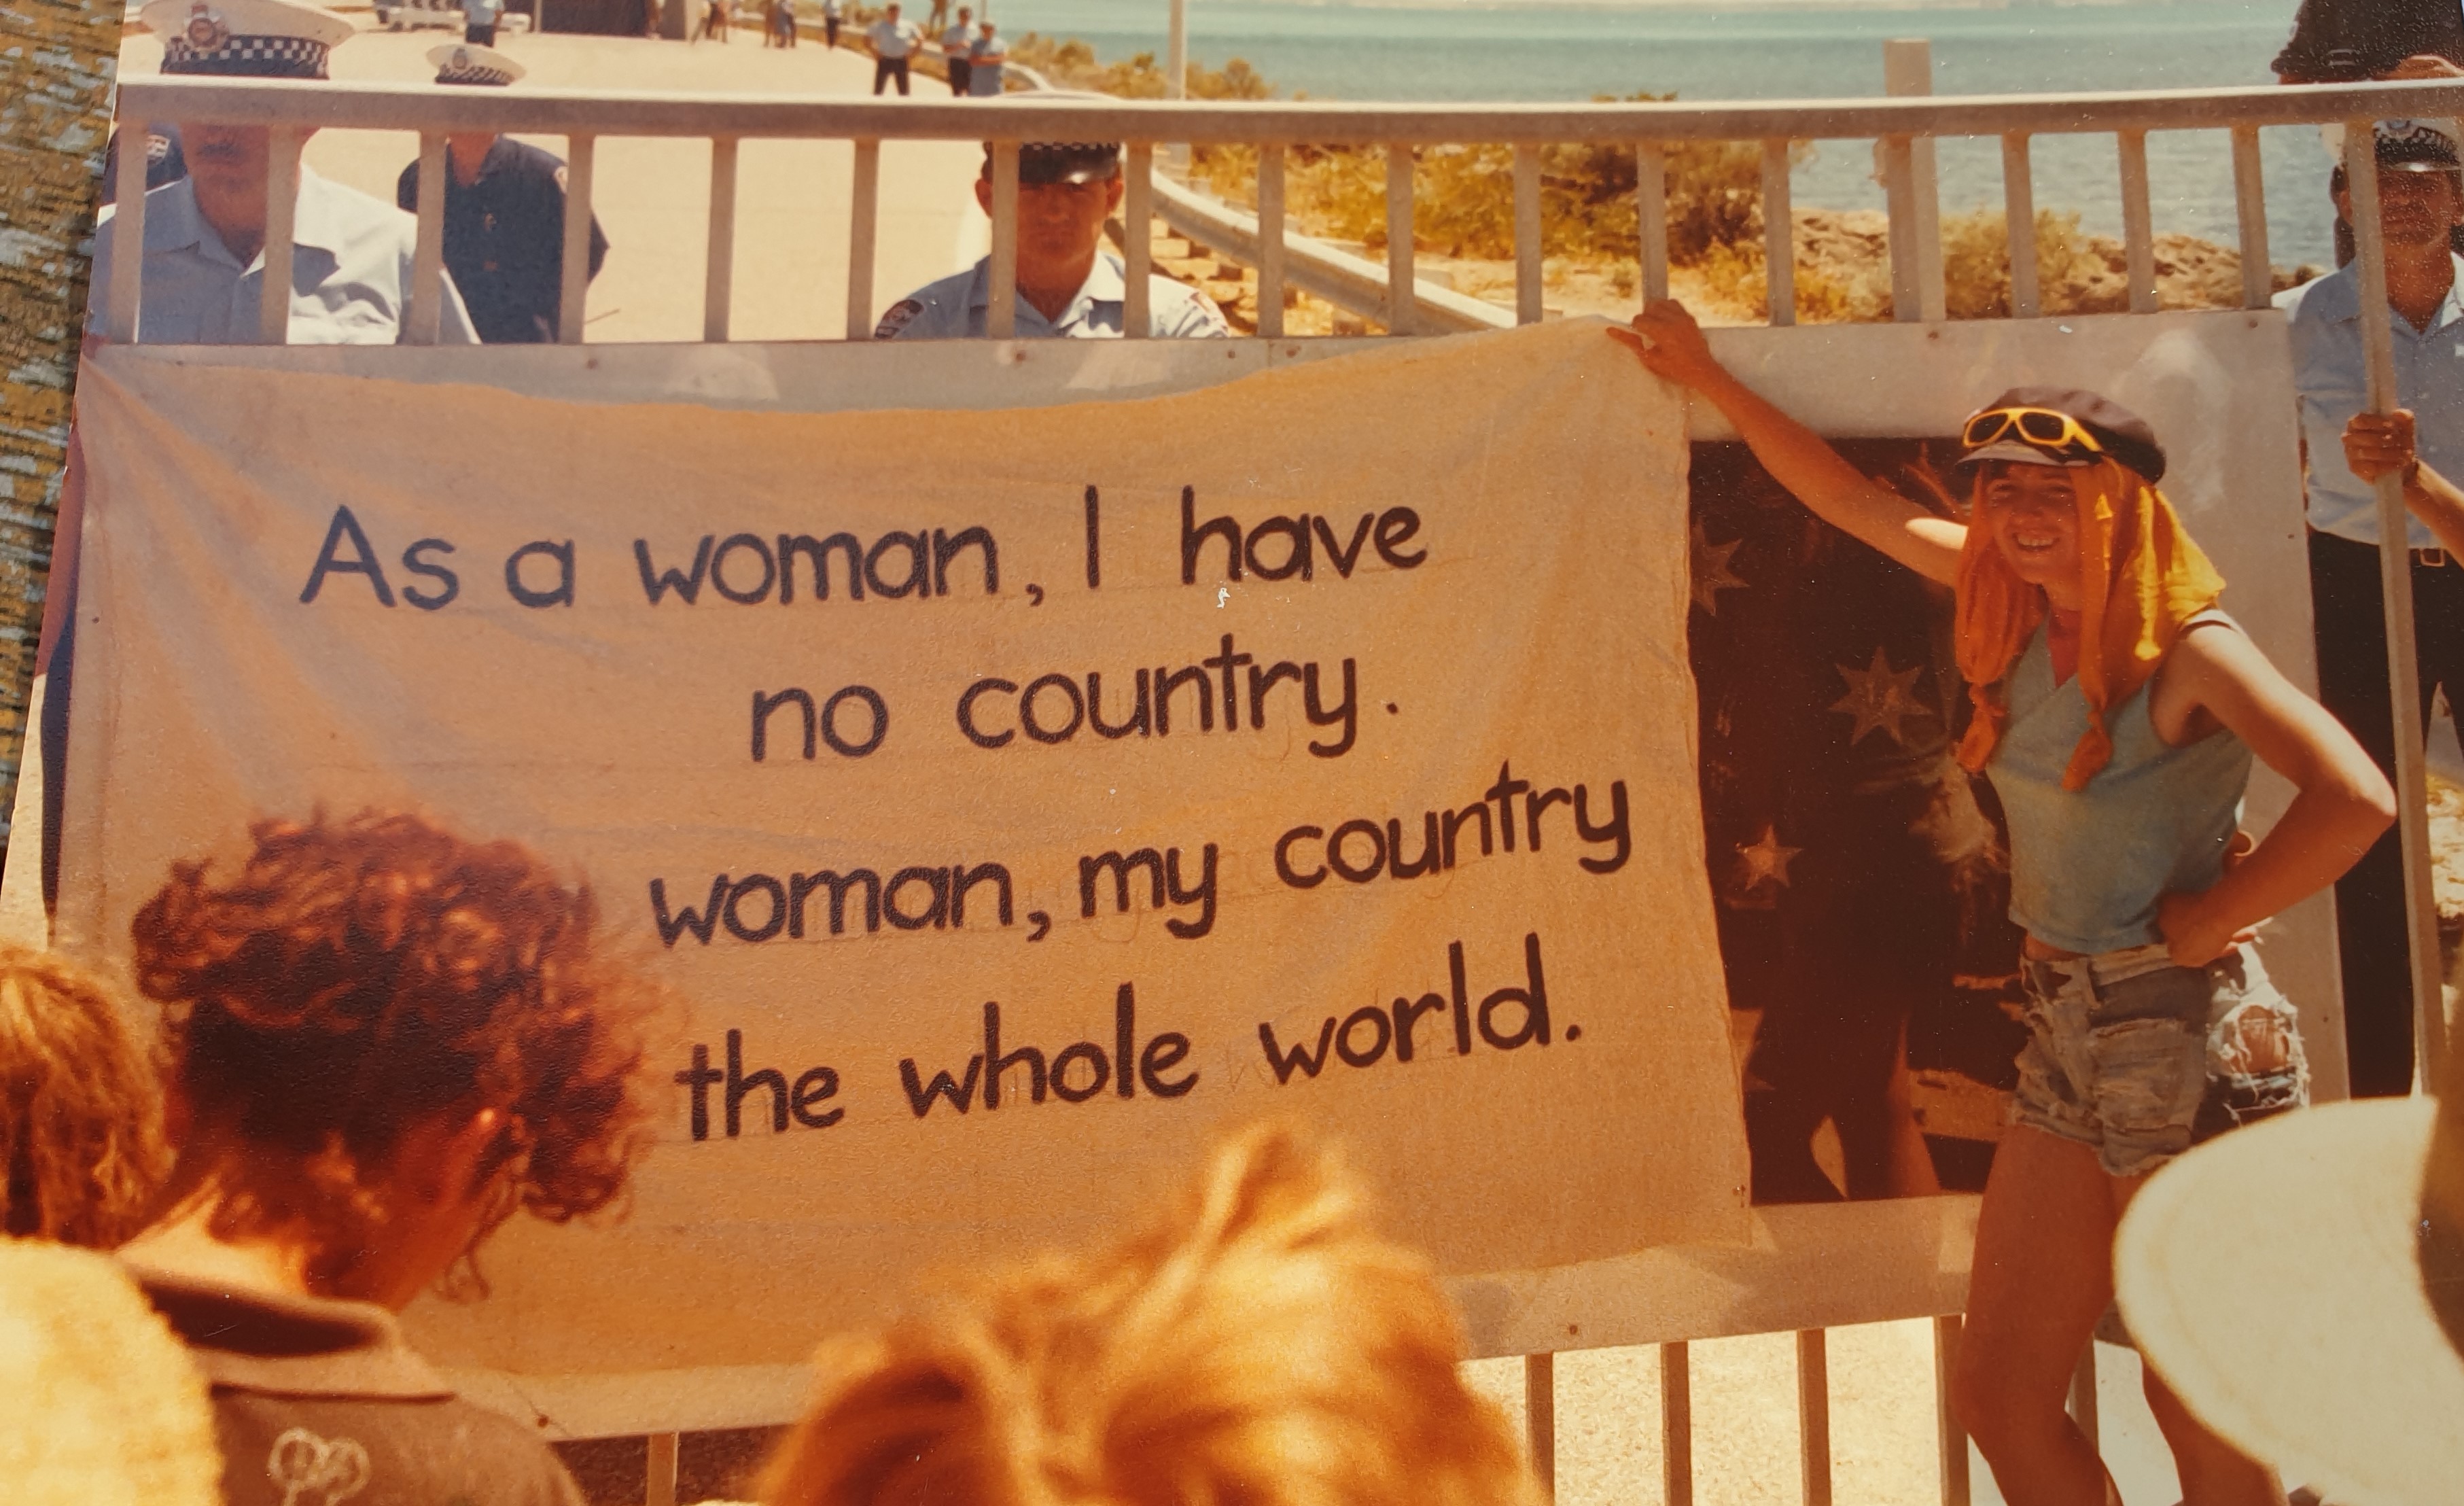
x: 1061, y: 161
x: 467, y: 63
x: 2415, y: 146
x: 244, y: 38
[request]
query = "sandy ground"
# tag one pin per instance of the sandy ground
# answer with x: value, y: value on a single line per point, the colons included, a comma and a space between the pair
x: 652, y: 197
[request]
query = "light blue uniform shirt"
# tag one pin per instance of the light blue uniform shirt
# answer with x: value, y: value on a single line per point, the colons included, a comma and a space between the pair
x: 954, y: 307
x: 2328, y: 372
x: 482, y: 12
x: 350, y: 273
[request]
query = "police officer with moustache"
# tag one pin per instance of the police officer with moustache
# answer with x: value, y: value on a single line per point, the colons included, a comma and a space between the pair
x: 204, y: 272
x: 1071, y: 285
x: 504, y: 214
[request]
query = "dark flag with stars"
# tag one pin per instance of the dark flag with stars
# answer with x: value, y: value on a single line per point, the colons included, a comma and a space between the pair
x: 1860, y: 874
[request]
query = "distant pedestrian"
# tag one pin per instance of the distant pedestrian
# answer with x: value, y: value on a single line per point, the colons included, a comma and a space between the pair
x: 504, y: 215
x: 783, y: 22
x: 716, y: 21
x: 894, y: 46
x: 987, y: 55
x: 956, y: 54
x: 830, y: 19
x: 479, y: 19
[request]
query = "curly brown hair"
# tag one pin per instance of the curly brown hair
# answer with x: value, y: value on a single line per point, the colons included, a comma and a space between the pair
x: 81, y: 1148
x: 357, y: 977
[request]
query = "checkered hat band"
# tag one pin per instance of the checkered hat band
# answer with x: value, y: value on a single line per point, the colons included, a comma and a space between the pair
x: 249, y: 56
x: 474, y: 75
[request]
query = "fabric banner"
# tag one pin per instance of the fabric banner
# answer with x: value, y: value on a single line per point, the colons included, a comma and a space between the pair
x: 1010, y: 798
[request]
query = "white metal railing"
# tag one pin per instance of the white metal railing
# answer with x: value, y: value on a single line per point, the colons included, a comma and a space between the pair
x: 1905, y: 128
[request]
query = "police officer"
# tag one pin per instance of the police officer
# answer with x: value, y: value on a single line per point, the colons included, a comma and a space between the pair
x: 1069, y: 284
x: 504, y: 214
x: 204, y: 272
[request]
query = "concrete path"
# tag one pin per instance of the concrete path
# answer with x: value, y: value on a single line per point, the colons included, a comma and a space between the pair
x: 653, y: 196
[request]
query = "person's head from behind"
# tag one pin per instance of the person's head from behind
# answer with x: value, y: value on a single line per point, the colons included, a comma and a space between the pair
x: 384, y: 1040
x: 81, y: 1107
x: 1258, y: 1344
x: 2421, y: 186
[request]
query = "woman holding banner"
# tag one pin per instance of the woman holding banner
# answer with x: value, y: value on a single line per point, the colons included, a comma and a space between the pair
x: 2116, y: 712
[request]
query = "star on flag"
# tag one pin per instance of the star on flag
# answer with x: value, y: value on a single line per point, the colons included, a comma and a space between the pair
x: 1880, y: 697
x: 1765, y: 860
x: 1708, y: 564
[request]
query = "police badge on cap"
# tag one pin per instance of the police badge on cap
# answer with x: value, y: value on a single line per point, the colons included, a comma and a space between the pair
x: 244, y: 38
x: 467, y: 63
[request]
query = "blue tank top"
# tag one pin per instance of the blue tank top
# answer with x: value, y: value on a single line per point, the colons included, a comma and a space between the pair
x: 2087, y: 869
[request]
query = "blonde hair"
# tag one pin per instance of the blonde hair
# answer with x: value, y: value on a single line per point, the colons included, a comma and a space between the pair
x: 105, y: 1408
x: 82, y: 1146
x: 1258, y: 1344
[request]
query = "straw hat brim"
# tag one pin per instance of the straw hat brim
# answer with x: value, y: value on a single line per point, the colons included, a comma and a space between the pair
x: 2271, y: 1278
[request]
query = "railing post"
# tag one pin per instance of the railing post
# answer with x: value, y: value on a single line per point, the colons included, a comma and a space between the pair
x: 574, y: 295
x: 1650, y: 212
x: 1137, y: 242
x: 428, y: 254
x: 2082, y: 1403
x: 2019, y: 224
x: 2250, y: 199
x: 129, y: 238
x: 1779, y: 236
x: 1676, y: 1426
x: 659, y: 1488
x: 1900, y: 201
x: 1529, y: 261
x: 1813, y: 1415
x: 282, y: 217
x: 2138, y: 225
x: 2395, y: 584
x: 1399, y: 238
x: 1949, y: 1437
x: 864, y: 226
x: 1000, y: 310
x: 1540, y: 1417
x: 1907, y: 69
x: 1270, y: 241
x: 719, y: 272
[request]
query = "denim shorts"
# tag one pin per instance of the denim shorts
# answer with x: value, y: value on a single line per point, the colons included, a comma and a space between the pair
x: 2138, y: 1060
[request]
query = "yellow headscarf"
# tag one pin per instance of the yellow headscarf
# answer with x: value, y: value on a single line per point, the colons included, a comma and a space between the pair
x: 2140, y: 578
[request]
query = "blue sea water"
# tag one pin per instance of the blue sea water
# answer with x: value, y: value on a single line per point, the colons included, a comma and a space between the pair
x: 1540, y: 51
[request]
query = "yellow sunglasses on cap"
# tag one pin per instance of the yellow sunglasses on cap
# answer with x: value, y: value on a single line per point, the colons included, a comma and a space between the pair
x: 2046, y: 429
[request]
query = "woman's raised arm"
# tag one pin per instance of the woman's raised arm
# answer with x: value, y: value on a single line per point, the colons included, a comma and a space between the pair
x: 1671, y: 345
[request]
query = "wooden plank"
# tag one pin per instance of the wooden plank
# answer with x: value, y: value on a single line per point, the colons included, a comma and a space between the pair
x: 1814, y: 1416
x: 1540, y: 1417
x: 428, y: 253
x: 1676, y: 1426
x: 1399, y: 238
x: 2019, y: 222
x: 2249, y: 201
x: 863, y: 232
x: 1001, y: 312
x: 282, y: 215
x: 1651, y: 205
x: 1907, y: 73
x: 718, y: 275
x: 1531, y: 263
x: 1779, y: 236
x: 1137, y: 242
x: 573, y: 303
x: 2138, y: 223
x: 1271, y: 242
x: 2395, y: 583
